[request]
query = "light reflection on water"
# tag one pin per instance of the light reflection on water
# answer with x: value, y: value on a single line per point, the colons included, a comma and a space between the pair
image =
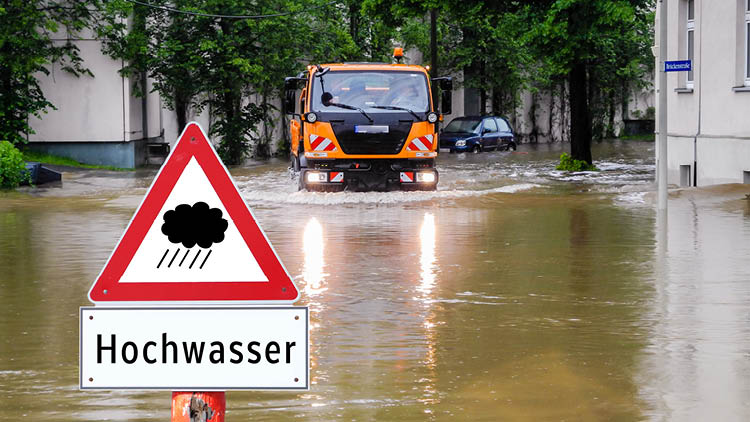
x: 427, y: 254
x: 313, y: 286
x: 427, y: 258
x: 314, y: 251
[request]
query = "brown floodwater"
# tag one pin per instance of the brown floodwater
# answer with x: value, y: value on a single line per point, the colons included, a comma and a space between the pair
x: 514, y: 292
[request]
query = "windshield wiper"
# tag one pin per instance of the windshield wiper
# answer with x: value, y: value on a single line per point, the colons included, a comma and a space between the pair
x: 390, y: 107
x: 351, y: 107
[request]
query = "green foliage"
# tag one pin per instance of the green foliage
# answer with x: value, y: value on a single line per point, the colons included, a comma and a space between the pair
x: 218, y: 63
x: 482, y: 39
x: 568, y: 163
x: 607, y: 41
x: 12, y: 167
x: 27, y: 49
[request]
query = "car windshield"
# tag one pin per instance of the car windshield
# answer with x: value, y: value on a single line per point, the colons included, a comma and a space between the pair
x: 463, y: 125
x: 368, y: 90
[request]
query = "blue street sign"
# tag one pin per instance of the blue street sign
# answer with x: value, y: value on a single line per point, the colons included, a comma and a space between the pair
x: 678, y: 66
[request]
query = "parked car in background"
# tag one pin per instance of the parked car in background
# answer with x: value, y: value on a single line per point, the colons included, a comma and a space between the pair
x: 477, y: 134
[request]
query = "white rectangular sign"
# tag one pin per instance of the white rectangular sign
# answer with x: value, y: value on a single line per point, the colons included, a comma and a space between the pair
x: 194, y: 349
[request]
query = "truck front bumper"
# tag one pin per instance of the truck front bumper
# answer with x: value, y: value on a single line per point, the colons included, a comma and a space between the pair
x: 332, y: 180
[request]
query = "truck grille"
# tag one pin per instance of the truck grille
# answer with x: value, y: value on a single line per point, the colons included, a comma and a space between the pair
x: 371, y: 143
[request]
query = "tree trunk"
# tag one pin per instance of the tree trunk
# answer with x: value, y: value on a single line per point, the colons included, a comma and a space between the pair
x: 231, y: 137
x: 534, y: 134
x: 262, y: 148
x: 354, y: 22
x: 611, y: 117
x: 550, y: 120
x: 180, y: 109
x: 564, y: 122
x: 580, y: 123
x: 434, y: 55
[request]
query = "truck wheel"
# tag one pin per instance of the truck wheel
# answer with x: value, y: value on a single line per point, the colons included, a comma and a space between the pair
x: 301, y: 180
x: 295, y: 163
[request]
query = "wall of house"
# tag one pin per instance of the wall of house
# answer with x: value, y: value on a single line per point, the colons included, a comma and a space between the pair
x: 708, y: 125
x: 97, y: 119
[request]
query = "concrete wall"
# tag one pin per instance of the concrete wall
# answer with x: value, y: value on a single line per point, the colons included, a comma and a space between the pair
x: 709, y: 125
x: 89, y: 109
x: 97, y: 119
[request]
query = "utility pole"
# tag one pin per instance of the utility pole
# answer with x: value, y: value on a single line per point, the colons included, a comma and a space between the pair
x: 661, y: 162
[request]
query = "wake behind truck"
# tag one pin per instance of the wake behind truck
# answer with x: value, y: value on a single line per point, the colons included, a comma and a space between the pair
x: 365, y: 126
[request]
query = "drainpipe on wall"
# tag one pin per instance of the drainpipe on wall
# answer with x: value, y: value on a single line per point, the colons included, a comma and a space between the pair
x: 700, y: 97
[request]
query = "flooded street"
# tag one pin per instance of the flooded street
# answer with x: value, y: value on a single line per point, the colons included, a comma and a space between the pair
x: 514, y: 292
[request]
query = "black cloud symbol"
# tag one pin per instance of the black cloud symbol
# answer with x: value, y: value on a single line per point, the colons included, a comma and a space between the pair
x: 197, y: 224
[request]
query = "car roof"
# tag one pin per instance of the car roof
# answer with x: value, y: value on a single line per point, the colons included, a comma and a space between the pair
x: 477, y: 117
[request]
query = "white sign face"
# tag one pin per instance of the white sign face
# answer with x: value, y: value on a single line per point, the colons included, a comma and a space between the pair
x: 162, y: 258
x: 194, y: 349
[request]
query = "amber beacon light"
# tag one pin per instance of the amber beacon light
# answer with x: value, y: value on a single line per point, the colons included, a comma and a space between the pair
x: 398, y: 53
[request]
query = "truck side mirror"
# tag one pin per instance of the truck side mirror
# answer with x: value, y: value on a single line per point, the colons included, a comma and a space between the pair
x: 446, y: 102
x: 289, y: 102
x: 290, y: 87
x: 446, y: 94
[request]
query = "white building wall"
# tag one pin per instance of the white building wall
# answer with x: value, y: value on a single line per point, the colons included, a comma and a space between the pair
x: 709, y: 126
x: 95, y: 120
x: 89, y: 109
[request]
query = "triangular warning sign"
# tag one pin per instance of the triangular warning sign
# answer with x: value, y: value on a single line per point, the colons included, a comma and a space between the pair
x: 193, y: 239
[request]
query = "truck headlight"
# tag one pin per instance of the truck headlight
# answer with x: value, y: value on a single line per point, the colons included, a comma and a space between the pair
x: 432, y: 117
x: 316, y: 177
x: 426, y: 177
x: 461, y: 143
x: 311, y: 117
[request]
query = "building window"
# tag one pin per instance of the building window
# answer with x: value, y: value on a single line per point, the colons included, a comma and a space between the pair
x: 691, y: 40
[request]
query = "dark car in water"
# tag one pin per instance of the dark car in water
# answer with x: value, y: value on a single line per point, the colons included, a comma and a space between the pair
x: 477, y: 134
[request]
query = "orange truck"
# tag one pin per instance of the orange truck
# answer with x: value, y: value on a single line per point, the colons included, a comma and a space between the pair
x: 365, y: 126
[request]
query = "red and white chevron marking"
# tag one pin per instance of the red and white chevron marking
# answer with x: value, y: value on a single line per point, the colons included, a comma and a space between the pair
x: 423, y: 143
x: 337, y: 176
x: 319, y: 143
x: 407, y: 177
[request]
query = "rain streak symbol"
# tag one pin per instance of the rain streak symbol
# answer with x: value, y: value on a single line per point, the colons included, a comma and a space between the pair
x: 192, y: 225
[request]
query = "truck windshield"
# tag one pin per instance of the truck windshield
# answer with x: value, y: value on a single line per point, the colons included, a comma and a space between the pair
x: 368, y: 90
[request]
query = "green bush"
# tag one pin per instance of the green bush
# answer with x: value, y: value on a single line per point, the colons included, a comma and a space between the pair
x: 567, y: 163
x: 12, y: 167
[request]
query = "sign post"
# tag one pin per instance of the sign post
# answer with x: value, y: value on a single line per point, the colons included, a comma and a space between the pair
x: 193, y: 298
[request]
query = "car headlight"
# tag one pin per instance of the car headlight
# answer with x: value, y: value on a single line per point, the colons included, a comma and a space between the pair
x: 316, y: 177
x: 432, y: 117
x: 461, y: 143
x: 426, y: 177
x: 311, y: 117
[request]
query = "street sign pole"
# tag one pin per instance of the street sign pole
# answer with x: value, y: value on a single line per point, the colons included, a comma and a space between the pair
x: 661, y: 162
x: 194, y: 406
